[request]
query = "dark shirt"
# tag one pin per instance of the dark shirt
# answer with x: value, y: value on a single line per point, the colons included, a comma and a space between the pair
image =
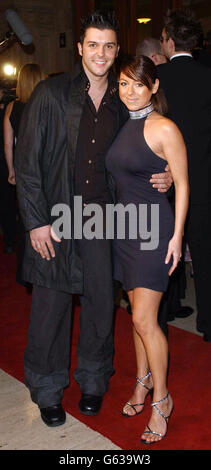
x: 96, y: 132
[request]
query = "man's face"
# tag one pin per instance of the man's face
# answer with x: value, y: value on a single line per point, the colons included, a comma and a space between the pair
x: 165, y: 44
x: 98, y: 51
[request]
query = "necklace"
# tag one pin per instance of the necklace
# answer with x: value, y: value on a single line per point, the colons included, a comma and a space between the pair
x: 141, y: 113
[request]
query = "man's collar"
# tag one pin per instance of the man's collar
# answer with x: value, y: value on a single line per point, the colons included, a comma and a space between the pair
x: 80, y: 76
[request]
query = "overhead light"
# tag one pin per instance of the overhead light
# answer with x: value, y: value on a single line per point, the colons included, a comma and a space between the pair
x: 144, y: 20
x: 9, y: 70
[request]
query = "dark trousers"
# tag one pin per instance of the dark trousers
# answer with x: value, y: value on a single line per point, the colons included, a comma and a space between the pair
x: 198, y: 236
x: 47, y: 355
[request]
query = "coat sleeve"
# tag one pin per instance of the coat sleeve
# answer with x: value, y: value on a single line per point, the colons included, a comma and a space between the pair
x: 29, y: 160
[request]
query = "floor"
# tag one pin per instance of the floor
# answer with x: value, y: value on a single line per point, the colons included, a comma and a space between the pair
x: 22, y: 429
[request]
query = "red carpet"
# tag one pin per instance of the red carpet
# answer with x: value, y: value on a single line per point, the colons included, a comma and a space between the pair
x: 189, y: 377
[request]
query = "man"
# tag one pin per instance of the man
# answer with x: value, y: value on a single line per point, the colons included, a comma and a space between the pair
x: 186, y: 84
x: 202, y: 53
x: 66, y: 130
x: 151, y: 47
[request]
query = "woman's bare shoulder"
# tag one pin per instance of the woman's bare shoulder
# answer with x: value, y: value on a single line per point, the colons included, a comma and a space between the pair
x: 163, y: 125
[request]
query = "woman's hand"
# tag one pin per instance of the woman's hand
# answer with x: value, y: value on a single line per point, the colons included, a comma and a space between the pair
x: 175, y: 250
x: 11, y: 177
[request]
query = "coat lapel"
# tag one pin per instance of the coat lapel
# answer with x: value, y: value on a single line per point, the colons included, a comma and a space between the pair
x: 76, y: 99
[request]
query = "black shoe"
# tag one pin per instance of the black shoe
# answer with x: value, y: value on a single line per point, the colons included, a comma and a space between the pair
x: 53, y: 415
x: 90, y: 404
x: 183, y: 312
x: 207, y: 338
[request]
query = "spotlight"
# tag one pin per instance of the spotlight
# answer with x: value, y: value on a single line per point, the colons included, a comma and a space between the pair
x: 9, y: 70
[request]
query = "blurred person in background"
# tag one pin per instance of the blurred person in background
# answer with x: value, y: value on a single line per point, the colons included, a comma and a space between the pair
x: 186, y: 84
x: 29, y: 76
x: 151, y: 48
x: 7, y: 192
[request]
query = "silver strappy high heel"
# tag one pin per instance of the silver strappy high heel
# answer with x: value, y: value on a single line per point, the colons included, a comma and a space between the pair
x: 133, y: 405
x: 166, y: 418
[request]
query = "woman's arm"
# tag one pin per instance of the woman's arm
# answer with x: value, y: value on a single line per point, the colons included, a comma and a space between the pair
x: 174, y: 151
x: 8, y: 143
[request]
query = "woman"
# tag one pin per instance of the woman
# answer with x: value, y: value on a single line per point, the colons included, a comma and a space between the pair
x: 144, y: 145
x: 29, y: 76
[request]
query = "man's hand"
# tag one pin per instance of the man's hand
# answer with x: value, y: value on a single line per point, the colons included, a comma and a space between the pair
x: 162, y: 181
x: 41, y: 241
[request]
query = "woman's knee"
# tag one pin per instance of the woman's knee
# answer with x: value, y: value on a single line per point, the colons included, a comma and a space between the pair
x: 142, y: 322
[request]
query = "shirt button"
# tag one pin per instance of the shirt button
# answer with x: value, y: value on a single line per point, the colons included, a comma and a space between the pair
x: 96, y: 120
x: 87, y: 181
x: 90, y: 161
x: 93, y: 141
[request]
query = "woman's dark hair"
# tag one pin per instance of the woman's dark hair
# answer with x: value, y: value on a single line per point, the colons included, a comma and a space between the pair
x: 100, y: 20
x: 142, y: 69
x: 182, y: 26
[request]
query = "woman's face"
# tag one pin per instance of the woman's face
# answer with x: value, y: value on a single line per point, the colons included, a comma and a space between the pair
x: 134, y: 94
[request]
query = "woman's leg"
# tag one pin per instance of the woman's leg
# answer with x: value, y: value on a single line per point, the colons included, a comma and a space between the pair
x: 144, y: 313
x: 140, y: 391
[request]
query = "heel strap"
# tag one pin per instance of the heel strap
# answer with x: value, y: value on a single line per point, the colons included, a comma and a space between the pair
x: 157, y: 409
x: 140, y: 381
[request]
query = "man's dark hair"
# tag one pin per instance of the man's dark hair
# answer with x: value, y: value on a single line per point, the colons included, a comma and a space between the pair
x: 100, y: 20
x: 182, y: 26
